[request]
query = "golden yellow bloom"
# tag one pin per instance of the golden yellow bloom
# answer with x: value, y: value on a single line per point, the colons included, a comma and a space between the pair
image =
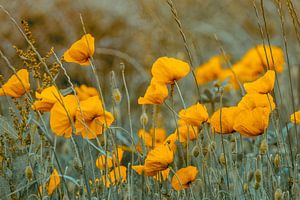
x: 62, y: 115
x: 17, y: 84
x: 263, y: 85
x: 297, y: 114
x: 254, y: 100
x: 91, y: 118
x: 187, y: 132
x: 53, y: 182
x: 170, y: 141
x: 195, y: 115
x: 228, y: 117
x: 167, y: 70
x: 117, y: 175
x: 186, y: 176
x: 158, y: 159
x: 155, y: 94
x: 46, y: 99
x: 84, y: 92
x: 162, y: 175
x: 252, y: 122
x: 102, y: 161
x: 81, y: 51
x: 209, y: 71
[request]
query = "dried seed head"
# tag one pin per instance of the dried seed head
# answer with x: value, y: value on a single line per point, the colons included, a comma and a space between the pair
x: 222, y: 159
x: 144, y: 119
x: 28, y: 173
x: 117, y: 96
x: 245, y: 187
x: 196, y: 151
x: 277, y: 161
x: 258, y: 176
x: 263, y: 149
x: 278, y: 194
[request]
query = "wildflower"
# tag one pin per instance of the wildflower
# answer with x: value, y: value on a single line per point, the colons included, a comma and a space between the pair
x: 117, y: 175
x: 162, y: 175
x: 210, y: 70
x: 46, y: 99
x: 263, y: 85
x: 62, y: 115
x: 252, y: 122
x: 81, y: 51
x: 103, y: 161
x: 186, y: 132
x: 155, y: 94
x: 186, y: 176
x: 254, y: 100
x: 297, y: 119
x: 17, y: 84
x: 170, y: 141
x: 158, y: 159
x: 228, y: 117
x: 167, y: 70
x: 195, y: 115
x: 91, y: 119
x: 53, y: 182
x: 84, y: 92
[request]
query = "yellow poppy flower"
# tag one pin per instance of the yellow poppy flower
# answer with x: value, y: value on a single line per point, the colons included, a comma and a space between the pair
x: 254, y: 100
x: 167, y: 70
x: 81, y: 51
x: 155, y: 94
x: 263, y: 85
x: 117, y: 175
x: 187, y: 132
x: 62, y: 114
x: 17, y: 84
x: 53, y: 182
x: 46, y: 99
x: 195, y: 115
x: 91, y: 119
x: 83, y: 92
x: 102, y: 161
x: 297, y: 114
x: 186, y: 176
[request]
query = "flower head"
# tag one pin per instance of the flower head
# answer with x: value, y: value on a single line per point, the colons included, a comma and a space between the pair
x: 17, y: 84
x: 81, y: 51
x: 297, y: 119
x: 195, y: 115
x: 91, y: 119
x: 186, y: 176
x: 117, y: 175
x: 155, y: 94
x: 103, y: 161
x: 263, y: 85
x: 167, y: 70
x: 254, y: 100
x: 62, y: 115
x: 53, y: 182
x: 84, y: 92
x: 186, y: 132
x: 46, y: 99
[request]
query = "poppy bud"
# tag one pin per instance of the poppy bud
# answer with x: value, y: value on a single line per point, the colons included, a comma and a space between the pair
x: 196, y: 151
x: 245, y: 187
x: 263, y: 147
x: 258, y: 176
x: 117, y: 96
x: 277, y: 161
x: 144, y: 119
x: 278, y: 194
x: 222, y: 159
x: 28, y: 172
x: 257, y: 185
x: 77, y: 164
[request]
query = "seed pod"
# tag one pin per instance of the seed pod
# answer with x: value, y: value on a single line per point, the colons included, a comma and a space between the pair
x: 222, y: 159
x: 245, y: 187
x: 144, y: 119
x: 277, y: 161
x: 257, y: 176
x: 196, y: 151
x: 117, y: 96
x: 278, y: 194
x: 263, y: 149
x: 257, y: 185
x: 77, y: 164
x: 28, y: 173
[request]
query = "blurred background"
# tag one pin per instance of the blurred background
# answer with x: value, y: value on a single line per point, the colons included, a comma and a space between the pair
x: 137, y: 32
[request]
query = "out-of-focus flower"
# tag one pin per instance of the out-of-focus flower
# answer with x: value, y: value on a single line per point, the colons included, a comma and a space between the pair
x: 156, y: 93
x: 195, y: 115
x: 297, y: 120
x: 263, y: 85
x: 117, y: 175
x: 167, y: 70
x: 160, y: 176
x: 46, y: 99
x: 252, y: 122
x: 254, y: 100
x: 81, y: 51
x: 62, y: 115
x: 186, y: 132
x: 104, y: 161
x: 170, y: 141
x: 158, y: 134
x: 228, y: 117
x: 186, y: 176
x: 91, y: 119
x: 53, y: 182
x: 209, y: 71
x: 17, y: 84
x: 84, y: 92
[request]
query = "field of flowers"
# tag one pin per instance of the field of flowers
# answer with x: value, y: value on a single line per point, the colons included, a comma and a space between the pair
x: 150, y: 99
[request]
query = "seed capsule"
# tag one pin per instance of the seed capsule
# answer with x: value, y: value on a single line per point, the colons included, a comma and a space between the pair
x: 277, y: 161
x: 257, y: 176
x: 28, y: 173
x: 278, y: 194
x: 144, y: 119
x: 263, y: 149
x: 117, y: 96
x: 196, y: 151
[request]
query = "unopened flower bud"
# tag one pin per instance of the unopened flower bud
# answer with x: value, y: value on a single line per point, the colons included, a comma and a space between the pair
x: 278, y: 194
x: 263, y: 149
x: 144, y: 119
x: 28, y: 173
x: 117, y: 96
